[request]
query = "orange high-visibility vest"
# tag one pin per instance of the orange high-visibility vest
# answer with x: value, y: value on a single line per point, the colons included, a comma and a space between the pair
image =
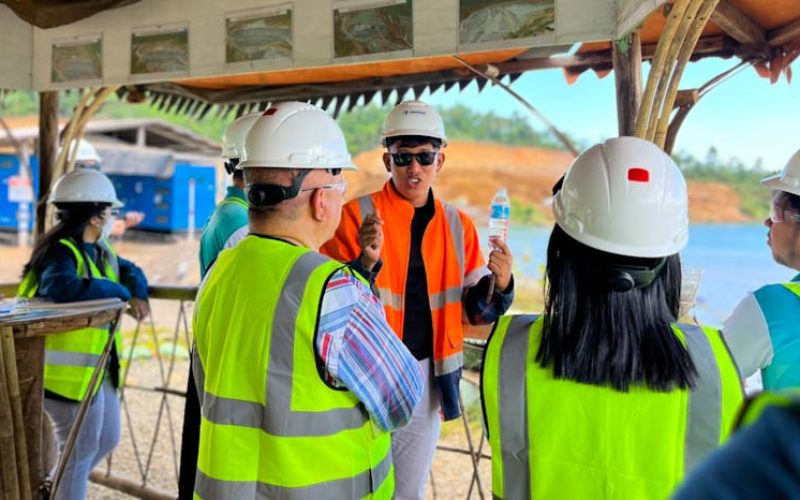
x: 453, y: 261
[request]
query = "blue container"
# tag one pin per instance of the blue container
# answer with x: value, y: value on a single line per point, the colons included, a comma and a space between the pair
x: 165, y: 201
x: 9, y: 167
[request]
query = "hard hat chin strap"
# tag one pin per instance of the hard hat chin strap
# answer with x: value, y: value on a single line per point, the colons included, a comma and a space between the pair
x: 268, y: 195
x: 626, y: 277
x: 230, y: 165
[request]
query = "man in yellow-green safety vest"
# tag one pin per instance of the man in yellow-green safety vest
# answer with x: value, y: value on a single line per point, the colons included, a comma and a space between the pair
x: 300, y: 378
x: 604, y: 396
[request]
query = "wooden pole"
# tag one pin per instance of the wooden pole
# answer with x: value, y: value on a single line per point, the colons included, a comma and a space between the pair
x: 627, y: 59
x: 8, y: 453
x: 12, y: 379
x: 48, y: 146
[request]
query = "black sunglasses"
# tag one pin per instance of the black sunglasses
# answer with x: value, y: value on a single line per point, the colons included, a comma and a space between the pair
x: 424, y: 158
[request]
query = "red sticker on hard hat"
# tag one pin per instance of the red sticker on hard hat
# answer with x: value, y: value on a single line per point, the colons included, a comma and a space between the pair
x: 638, y: 174
x: 270, y: 112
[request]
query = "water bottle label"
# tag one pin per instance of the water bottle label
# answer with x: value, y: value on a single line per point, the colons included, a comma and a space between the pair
x: 500, y: 211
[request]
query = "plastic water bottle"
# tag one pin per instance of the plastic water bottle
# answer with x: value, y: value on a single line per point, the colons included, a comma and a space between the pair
x: 498, y: 225
x: 500, y: 212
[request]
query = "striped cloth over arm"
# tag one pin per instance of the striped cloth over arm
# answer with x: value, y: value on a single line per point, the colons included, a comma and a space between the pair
x: 362, y: 353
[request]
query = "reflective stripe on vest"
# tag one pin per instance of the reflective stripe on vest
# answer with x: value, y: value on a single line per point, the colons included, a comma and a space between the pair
x: 367, y: 207
x: 71, y: 357
x: 275, y: 421
x: 507, y: 374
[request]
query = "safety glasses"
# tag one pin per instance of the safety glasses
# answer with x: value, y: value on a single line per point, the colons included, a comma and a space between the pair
x: 337, y: 186
x: 424, y: 158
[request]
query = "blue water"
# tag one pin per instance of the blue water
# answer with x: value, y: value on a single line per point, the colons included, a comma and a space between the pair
x: 733, y: 259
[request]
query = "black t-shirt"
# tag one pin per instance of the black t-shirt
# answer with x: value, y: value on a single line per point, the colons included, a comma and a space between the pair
x: 417, y: 321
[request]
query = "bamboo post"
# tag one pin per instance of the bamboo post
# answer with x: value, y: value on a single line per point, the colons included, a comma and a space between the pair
x: 8, y: 453
x: 672, y: 53
x: 657, y: 65
x: 696, y: 29
x: 12, y: 380
x: 90, y: 103
x: 30, y: 369
x: 61, y: 161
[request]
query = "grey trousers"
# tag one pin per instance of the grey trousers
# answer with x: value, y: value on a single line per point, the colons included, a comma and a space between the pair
x: 413, y: 446
x: 99, y: 435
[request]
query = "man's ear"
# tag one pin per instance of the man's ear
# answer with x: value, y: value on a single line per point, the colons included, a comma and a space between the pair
x: 386, y: 162
x: 439, y: 161
x: 319, y: 204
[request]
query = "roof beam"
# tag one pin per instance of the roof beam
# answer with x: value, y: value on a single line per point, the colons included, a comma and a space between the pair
x: 784, y: 34
x: 737, y: 24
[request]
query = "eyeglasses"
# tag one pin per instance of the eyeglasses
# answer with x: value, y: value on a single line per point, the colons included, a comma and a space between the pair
x: 782, y: 213
x: 424, y: 158
x: 338, y: 186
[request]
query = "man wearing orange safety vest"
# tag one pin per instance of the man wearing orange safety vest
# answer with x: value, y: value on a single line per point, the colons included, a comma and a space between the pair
x: 425, y: 259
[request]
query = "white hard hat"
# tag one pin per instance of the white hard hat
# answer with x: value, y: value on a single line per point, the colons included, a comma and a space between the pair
x: 626, y: 197
x: 233, y: 138
x: 296, y: 135
x: 789, y: 179
x: 85, y: 153
x: 414, y: 118
x: 84, y: 186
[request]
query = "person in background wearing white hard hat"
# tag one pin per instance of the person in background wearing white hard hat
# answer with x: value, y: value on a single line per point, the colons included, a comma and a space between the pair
x: 605, y: 394
x: 228, y: 223
x: 87, y: 157
x: 226, y: 226
x: 299, y: 376
x: 763, y: 331
x: 425, y: 258
x: 74, y: 261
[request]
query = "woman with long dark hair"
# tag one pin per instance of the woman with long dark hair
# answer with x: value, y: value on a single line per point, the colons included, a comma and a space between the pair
x: 74, y: 261
x: 605, y: 395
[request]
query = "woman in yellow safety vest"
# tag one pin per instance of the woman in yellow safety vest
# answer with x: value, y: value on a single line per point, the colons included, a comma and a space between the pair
x: 74, y: 261
x: 605, y: 395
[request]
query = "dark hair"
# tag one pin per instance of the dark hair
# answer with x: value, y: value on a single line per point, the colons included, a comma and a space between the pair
x: 72, y: 220
x: 238, y: 175
x: 792, y: 201
x: 412, y: 141
x: 598, y: 336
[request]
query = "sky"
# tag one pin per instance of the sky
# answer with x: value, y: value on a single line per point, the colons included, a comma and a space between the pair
x: 744, y: 117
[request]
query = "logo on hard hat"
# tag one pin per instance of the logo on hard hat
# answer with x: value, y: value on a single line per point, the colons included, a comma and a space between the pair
x: 638, y: 174
x: 414, y: 112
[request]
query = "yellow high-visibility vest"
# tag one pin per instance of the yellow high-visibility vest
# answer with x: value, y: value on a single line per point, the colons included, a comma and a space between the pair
x: 271, y: 426
x: 556, y: 438
x: 71, y: 357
